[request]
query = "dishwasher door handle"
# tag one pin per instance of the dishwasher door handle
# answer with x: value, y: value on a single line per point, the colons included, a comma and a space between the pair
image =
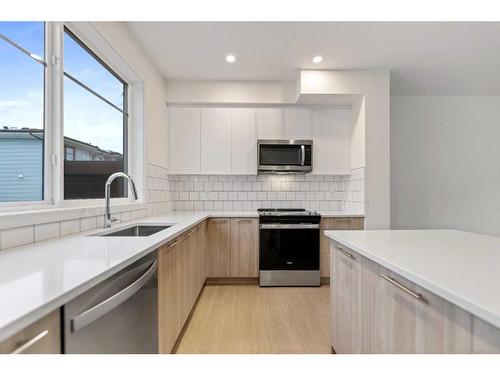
x: 85, y: 318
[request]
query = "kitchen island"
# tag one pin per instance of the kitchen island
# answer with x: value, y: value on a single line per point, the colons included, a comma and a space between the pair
x: 425, y: 291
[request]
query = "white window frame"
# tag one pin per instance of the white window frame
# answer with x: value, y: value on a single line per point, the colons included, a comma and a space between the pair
x: 53, y: 197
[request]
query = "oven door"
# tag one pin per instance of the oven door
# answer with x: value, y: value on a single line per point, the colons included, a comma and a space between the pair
x: 289, y: 247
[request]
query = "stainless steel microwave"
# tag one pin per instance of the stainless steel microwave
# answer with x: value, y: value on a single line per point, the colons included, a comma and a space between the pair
x: 275, y: 156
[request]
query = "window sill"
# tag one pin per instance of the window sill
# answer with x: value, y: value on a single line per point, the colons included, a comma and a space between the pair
x: 49, y: 214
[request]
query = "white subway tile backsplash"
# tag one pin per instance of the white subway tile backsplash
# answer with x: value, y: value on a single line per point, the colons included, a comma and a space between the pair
x: 46, y: 231
x: 89, y: 223
x: 68, y: 227
x: 16, y: 237
x: 249, y: 192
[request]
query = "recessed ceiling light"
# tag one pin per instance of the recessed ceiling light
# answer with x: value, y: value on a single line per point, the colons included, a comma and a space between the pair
x: 317, y: 59
x: 230, y: 58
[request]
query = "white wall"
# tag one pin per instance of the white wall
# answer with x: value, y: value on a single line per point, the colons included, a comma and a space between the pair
x: 445, y: 162
x: 229, y: 92
x: 357, y: 134
x: 375, y: 87
x: 155, y: 110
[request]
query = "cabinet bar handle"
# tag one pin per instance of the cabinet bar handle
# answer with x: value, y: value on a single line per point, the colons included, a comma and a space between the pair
x: 345, y: 253
x: 243, y: 220
x: 219, y: 220
x: 173, y: 244
x: 183, y: 237
x: 403, y: 288
x: 31, y: 342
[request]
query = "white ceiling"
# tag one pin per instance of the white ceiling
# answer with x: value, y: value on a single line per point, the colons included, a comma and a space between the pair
x: 424, y: 58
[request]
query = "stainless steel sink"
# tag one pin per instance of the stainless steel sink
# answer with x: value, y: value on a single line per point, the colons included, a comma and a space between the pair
x: 142, y: 230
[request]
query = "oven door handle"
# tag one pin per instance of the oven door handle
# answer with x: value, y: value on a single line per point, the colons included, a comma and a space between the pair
x: 289, y: 226
x: 94, y: 313
x: 303, y: 155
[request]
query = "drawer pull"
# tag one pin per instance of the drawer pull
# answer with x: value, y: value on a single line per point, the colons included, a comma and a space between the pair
x: 219, y: 220
x: 30, y: 343
x: 345, y: 253
x: 243, y: 220
x: 403, y: 288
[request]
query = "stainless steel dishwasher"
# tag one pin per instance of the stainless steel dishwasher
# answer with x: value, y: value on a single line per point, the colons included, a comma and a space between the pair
x: 119, y: 315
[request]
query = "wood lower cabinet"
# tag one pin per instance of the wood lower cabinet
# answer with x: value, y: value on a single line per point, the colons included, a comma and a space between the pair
x: 42, y: 337
x: 334, y: 223
x: 233, y: 247
x: 348, y: 312
x: 485, y: 337
x: 181, y: 275
x: 375, y: 310
x: 244, y: 248
x: 219, y: 247
x: 408, y: 319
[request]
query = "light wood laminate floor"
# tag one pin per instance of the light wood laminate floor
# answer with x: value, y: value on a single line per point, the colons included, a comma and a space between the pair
x: 249, y: 319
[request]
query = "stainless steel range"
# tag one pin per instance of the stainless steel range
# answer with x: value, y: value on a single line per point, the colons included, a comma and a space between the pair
x: 288, y: 247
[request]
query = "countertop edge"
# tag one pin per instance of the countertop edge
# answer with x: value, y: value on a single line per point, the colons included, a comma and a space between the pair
x: 450, y: 296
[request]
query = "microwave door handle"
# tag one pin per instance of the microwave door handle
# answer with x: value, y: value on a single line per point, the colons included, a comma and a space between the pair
x: 303, y: 154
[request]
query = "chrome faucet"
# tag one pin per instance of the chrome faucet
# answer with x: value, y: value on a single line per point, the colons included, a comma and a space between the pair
x: 111, y: 178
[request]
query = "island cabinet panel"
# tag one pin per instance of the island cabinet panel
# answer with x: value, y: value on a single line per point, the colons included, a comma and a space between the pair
x: 408, y: 319
x: 41, y: 337
x: 485, y: 337
x: 219, y: 247
x: 349, y: 313
x: 333, y: 223
x: 244, y: 247
x: 181, y: 275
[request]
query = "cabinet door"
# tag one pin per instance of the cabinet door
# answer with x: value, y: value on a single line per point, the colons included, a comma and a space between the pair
x: 331, y: 137
x: 324, y: 255
x: 41, y: 337
x: 297, y: 123
x: 348, y: 310
x: 485, y: 337
x: 215, y: 140
x: 243, y: 141
x: 270, y: 123
x: 394, y: 314
x: 219, y: 247
x: 184, y: 140
x: 169, y: 295
x: 408, y: 319
x: 334, y: 223
x: 244, y: 248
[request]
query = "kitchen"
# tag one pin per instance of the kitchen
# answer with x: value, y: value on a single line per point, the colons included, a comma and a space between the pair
x: 150, y: 203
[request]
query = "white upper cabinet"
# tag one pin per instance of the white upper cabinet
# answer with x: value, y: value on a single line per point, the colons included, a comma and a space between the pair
x: 331, y: 141
x: 297, y: 123
x: 243, y: 141
x: 215, y: 141
x: 184, y: 140
x: 270, y: 123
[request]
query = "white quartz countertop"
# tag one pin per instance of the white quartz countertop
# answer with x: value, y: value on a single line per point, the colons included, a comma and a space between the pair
x: 461, y: 267
x: 36, y: 279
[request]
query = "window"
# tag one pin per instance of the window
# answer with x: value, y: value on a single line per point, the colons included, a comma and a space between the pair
x: 95, y: 123
x: 22, y: 81
x: 69, y: 153
x: 64, y: 121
